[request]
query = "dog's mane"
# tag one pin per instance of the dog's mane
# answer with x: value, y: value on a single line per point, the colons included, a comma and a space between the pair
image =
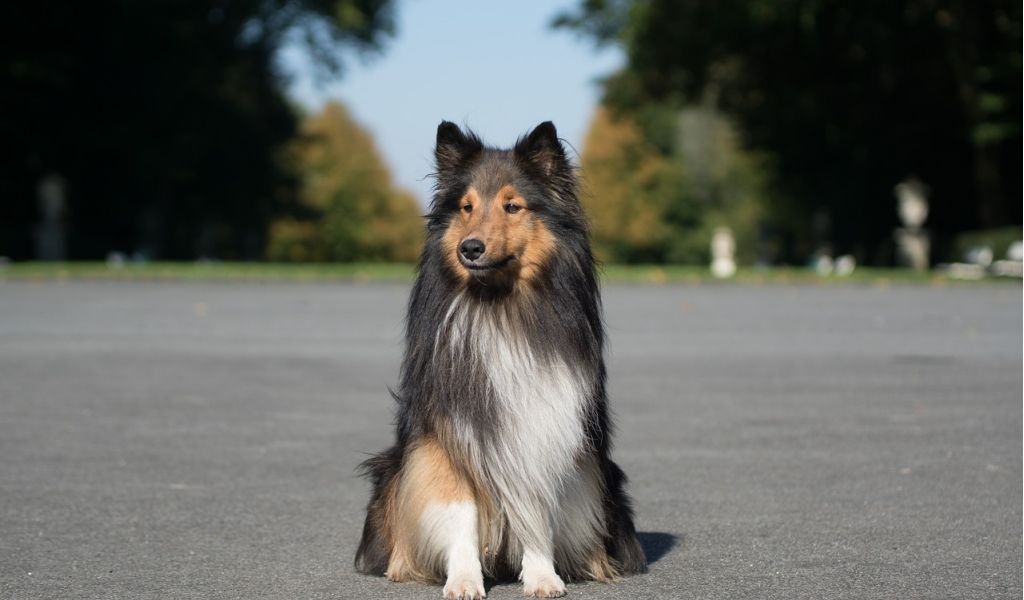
x: 558, y: 314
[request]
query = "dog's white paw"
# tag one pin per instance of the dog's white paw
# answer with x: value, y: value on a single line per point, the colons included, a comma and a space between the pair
x: 546, y: 585
x: 465, y: 586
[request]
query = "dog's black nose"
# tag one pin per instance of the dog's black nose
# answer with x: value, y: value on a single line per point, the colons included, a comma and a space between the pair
x: 471, y: 249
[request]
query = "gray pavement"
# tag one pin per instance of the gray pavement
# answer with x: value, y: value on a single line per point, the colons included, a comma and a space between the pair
x: 198, y: 440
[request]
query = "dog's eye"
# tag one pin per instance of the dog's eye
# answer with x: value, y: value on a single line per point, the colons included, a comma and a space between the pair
x: 511, y: 208
x: 468, y: 208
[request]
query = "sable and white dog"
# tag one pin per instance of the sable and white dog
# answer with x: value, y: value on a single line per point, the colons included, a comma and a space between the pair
x: 501, y: 464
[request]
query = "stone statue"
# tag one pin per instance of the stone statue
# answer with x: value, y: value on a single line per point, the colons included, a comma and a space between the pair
x: 49, y: 233
x: 723, y: 253
x: 913, y: 243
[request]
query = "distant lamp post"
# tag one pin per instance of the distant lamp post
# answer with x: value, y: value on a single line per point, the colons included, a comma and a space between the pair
x: 723, y: 253
x: 913, y: 244
x: 49, y: 233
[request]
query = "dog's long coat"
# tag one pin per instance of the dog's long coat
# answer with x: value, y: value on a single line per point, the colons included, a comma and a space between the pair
x: 502, y: 463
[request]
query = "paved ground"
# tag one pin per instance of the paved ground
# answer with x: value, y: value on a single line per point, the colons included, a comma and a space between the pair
x: 199, y: 440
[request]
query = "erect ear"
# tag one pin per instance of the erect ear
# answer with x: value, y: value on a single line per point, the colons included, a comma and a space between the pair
x: 454, y: 146
x: 542, y: 148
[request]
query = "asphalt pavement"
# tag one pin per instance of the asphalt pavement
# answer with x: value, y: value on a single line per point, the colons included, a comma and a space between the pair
x: 199, y: 440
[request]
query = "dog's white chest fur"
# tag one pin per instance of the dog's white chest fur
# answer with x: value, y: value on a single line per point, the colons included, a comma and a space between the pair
x: 538, y: 403
x: 532, y: 458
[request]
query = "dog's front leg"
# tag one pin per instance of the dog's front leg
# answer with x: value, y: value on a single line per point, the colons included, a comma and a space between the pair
x: 538, y: 575
x: 453, y: 529
x: 438, y: 528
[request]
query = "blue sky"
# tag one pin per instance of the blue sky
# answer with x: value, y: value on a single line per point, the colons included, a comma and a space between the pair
x: 495, y: 66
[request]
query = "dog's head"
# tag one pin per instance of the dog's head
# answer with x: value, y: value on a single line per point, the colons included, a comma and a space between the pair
x: 502, y: 214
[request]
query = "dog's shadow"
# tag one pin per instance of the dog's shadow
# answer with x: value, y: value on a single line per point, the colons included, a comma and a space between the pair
x: 657, y: 544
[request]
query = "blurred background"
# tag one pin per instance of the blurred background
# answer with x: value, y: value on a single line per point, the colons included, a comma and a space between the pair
x: 751, y: 132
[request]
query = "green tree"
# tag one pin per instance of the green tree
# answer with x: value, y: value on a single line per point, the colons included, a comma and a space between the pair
x: 349, y: 207
x: 848, y: 98
x: 166, y: 118
x: 721, y: 184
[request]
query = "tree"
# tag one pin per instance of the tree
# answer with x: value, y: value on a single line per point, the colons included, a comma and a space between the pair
x: 349, y: 209
x: 625, y: 189
x: 848, y: 98
x: 166, y: 118
x: 647, y: 206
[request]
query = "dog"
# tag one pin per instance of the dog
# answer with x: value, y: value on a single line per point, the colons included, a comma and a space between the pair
x: 501, y: 465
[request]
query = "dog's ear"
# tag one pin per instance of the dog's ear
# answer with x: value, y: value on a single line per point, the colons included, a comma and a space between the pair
x: 542, y: 149
x: 454, y: 147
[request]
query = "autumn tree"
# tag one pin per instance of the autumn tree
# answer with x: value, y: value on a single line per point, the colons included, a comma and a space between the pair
x: 349, y: 209
x: 624, y: 191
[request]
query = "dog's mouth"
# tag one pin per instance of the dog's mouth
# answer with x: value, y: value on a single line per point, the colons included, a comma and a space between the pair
x: 480, y: 268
